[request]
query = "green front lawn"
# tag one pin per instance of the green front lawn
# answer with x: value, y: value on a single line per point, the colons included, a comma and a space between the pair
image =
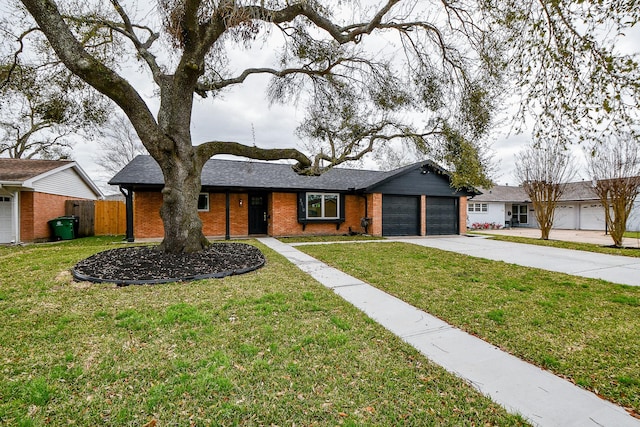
x: 272, y: 347
x: 583, y: 329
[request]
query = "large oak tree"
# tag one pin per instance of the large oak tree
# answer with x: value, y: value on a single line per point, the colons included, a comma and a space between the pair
x: 361, y: 69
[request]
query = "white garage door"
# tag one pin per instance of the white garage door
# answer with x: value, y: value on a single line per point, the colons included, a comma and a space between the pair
x: 592, y: 217
x: 565, y: 217
x: 633, y: 223
x: 6, y: 228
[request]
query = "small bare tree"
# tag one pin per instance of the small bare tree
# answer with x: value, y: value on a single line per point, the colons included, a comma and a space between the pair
x: 615, y: 169
x: 119, y: 146
x: 544, y: 168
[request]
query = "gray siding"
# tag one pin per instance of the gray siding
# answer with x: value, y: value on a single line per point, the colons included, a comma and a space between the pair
x: 415, y: 183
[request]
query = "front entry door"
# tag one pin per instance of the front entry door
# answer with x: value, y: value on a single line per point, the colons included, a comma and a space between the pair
x: 257, y: 213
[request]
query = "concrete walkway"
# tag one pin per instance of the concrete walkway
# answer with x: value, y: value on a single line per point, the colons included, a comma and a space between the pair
x: 617, y: 269
x: 539, y: 396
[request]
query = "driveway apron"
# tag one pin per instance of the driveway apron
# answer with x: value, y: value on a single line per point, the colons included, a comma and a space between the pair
x: 539, y: 396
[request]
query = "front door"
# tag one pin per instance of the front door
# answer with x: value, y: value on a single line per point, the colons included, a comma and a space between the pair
x: 520, y: 215
x: 257, y: 213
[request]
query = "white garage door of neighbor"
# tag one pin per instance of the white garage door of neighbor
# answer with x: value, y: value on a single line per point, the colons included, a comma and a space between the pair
x: 592, y: 217
x: 565, y: 217
x: 6, y: 223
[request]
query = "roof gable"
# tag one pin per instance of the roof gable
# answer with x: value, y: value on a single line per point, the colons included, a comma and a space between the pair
x: 21, y: 170
x: 64, y: 177
x: 424, y: 177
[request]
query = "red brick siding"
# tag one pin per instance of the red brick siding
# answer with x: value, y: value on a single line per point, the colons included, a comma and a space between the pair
x: 463, y: 215
x: 146, y: 214
x: 283, y: 211
x: 375, y: 212
x: 283, y: 215
x: 214, y: 221
x: 147, y: 222
x: 36, y: 209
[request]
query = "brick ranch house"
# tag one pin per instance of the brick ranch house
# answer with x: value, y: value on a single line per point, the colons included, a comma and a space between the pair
x: 244, y: 198
x: 34, y: 191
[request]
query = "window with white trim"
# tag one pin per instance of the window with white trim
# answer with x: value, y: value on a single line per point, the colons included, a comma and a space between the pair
x: 203, y: 202
x: 478, y: 207
x: 323, y: 205
x: 520, y: 213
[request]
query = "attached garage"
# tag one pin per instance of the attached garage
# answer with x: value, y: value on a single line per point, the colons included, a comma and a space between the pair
x: 442, y: 215
x: 400, y: 215
x: 6, y: 219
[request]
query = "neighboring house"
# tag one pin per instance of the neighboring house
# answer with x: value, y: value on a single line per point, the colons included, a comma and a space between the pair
x: 578, y: 209
x: 243, y: 198
x: 34, y: 191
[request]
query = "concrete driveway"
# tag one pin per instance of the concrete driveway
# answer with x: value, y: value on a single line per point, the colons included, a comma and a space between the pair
x: 583, y: 236
x: 617, y: 269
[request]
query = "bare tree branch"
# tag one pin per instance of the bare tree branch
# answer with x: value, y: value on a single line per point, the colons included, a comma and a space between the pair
x: 211, y: 148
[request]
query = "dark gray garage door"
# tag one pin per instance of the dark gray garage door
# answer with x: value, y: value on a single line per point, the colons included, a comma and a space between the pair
x: 442, y: 216
x: 400, y: 215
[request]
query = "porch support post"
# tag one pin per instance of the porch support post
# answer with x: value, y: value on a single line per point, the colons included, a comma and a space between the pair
x: 227, y: 235
x: 16, y: 217
x: 128, y: 197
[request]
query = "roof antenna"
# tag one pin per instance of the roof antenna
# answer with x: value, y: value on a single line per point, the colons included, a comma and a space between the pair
x: 253, y: 134
x: 253, y: 138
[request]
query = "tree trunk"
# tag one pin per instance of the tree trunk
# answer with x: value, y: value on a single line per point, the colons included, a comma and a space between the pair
x: 545, y: 232
x: 179, y: 211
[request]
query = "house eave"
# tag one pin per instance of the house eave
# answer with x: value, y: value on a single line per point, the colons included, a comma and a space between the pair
x: 247, y: 189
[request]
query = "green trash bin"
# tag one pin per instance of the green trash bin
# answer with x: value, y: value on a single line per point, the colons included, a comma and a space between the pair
x: 63, y: 227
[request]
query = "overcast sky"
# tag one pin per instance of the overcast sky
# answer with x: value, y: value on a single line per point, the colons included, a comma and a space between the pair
x: 244, y: 115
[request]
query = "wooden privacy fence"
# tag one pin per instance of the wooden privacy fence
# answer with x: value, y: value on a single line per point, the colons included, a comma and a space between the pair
x: 111, y: 217
x: 99, y: 217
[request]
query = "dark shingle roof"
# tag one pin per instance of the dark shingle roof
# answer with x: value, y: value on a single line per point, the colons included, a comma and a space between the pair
x: 19, y: 170
x: 144, y: 170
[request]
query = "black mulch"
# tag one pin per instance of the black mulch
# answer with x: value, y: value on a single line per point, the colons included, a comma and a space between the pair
x: 146, y: 264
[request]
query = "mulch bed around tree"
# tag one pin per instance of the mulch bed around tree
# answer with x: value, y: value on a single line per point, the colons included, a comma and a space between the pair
x: 148, y: 265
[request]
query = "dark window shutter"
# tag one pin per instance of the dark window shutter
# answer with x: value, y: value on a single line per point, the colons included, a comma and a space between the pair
x: 342, y: 206
x: 302, y: 206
